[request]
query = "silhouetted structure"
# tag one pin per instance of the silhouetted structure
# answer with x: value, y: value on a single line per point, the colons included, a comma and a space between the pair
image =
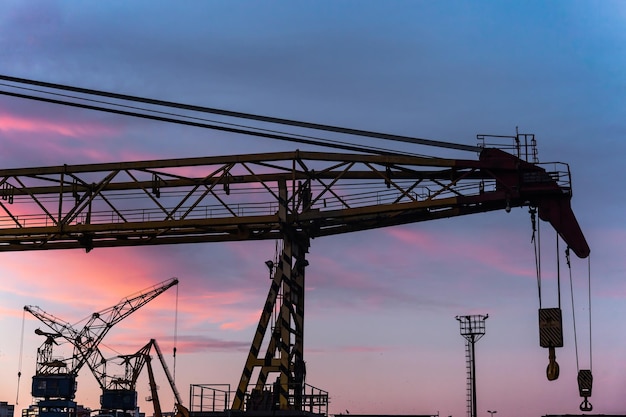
x: 6, y: 409
x: 472, y: 329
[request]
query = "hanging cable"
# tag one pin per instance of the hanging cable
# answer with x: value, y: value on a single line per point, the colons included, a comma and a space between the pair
x: 589, y: 307
x: 573, y: 310
x: 534, y: 239
x: 571, y: 285
x: 550, y: 319
x: 175, y: 334
x: 19, y: 362
x: 585, y: 376
x: 558, y: 270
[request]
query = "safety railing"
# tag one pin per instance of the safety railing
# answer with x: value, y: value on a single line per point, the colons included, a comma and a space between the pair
x: 215, y: 398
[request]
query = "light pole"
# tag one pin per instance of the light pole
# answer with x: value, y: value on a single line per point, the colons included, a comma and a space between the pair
x: 472, y: 329
x: 491, y: 412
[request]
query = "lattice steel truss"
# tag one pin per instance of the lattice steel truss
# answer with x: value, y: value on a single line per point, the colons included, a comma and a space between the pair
x: 237, y: 197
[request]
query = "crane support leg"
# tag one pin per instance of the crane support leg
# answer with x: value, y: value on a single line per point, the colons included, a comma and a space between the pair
x: 153, y: 388
x: 253, y: 359
x: 284, y: 351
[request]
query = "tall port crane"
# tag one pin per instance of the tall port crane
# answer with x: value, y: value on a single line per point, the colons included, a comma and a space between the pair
x: 292, y: 197
x: 55, y: 379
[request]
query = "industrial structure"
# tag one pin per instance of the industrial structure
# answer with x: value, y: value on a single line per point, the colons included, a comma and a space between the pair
x: 54, y: 381
x: 6, y: 409
x: 291, y: 197
x: 472, y: 329
x: 134, y: 364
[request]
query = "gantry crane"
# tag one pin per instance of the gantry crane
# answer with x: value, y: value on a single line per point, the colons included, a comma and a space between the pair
x: 55, y: 379
x: 292, y: 197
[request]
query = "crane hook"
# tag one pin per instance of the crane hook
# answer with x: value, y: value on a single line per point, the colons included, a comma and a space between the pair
x: 586, y: 405
x: 552, y: 371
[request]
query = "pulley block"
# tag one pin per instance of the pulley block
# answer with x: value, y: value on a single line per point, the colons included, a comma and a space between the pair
x: 585, y: 382
x: 551, y: 337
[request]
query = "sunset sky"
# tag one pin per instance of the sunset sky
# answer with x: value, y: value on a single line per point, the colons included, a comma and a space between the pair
x: 381, y: 335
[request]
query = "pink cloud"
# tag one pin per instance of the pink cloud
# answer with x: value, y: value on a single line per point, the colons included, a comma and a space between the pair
x: 10, y: 123
x: 186, y: 344
x: 11, y: 312
x: 243, y: 320
x: 79, y: 272
x: 194, y: 344
x: 71, y: 285
x: 491, y: 249
x: 409, y: 237
x: 37, y: 140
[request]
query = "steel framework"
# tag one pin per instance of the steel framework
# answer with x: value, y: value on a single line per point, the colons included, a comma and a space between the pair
x: 472, y: 328
x: 84, y: 341
x: 237, y: 197
x: 292, y: 197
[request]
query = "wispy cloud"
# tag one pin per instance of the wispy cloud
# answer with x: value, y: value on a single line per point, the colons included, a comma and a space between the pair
x: 15, y: 123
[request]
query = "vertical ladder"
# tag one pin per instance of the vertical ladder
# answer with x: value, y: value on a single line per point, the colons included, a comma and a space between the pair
x: 470, y: 378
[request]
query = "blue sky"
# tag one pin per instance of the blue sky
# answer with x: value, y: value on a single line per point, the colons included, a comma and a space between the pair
x: 381, y: 334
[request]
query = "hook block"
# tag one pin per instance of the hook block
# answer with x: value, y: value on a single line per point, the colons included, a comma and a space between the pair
x: 550, y: 327
x: 585, y: 382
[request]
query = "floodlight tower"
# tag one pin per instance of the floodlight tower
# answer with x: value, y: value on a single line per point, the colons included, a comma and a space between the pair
x: 472, y: 329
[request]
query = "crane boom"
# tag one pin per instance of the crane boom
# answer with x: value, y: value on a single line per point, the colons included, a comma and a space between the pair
x: 226, y: 198
x: 92, y: 333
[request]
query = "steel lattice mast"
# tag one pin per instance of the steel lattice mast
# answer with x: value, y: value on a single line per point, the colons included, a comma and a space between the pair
x: 472, y: 329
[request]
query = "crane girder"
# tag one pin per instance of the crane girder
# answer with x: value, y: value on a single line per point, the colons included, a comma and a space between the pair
x: 229, y: 198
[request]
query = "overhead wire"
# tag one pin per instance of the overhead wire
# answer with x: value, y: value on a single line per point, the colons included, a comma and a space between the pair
x: 322, y: 141
x: 194, y: 124
x: 241, y: 115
